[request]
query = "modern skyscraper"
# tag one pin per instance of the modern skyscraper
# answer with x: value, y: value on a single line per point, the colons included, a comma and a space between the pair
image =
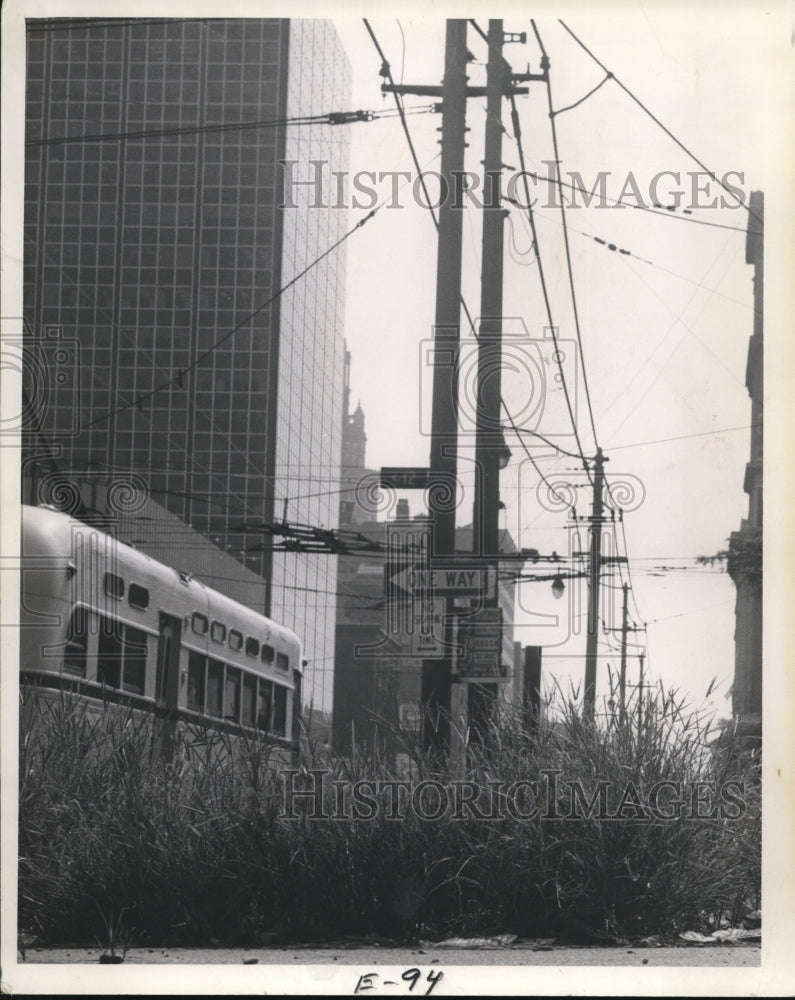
x: 155, y: 252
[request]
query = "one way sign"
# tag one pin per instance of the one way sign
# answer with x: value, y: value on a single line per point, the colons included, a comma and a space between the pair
x: 453, y: 581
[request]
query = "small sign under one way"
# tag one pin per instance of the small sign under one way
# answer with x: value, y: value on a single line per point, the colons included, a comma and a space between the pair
x: 480, y: 638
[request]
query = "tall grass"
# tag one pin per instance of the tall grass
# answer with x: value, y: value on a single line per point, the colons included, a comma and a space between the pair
x: 195, y: 849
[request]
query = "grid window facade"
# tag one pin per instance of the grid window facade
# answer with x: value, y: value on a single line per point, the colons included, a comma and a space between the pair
x: 151, y: 235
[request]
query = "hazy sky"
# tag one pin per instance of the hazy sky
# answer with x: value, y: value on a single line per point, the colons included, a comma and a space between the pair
x: 664, y: 327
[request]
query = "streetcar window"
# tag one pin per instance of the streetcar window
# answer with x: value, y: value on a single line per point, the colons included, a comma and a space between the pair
x: 280, y: 710
x: 135, y: 647
x: 296, y: 724
x: 282, y: 661
x: 232, y: 697
x: 114, y: 585
x: 249, y: 700
x: 268, y: 653
x: 110, y: 653
x: 252, y: 646
x: 196, y: 668
x: 138, y: 596
x: 74, y: 661
x: 235, y: 639
x: 264, y: 705
x: 215, y: 687
x: 218, y: 631
x: 199, y: 623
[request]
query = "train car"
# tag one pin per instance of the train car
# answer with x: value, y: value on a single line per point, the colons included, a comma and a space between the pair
x: 109, y: 624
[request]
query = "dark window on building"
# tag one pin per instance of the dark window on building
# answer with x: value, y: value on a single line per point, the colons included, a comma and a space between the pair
x: 215, y: 688
x: 196, y: 670
x: 76, y: 653
x: 114, y: 585
x: 280, y: 710
x: 138, y: 596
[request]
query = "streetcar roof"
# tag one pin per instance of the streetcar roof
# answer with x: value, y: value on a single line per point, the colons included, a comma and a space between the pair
x: 49, y: 533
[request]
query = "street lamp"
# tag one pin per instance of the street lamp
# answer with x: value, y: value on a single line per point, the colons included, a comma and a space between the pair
x: 558, y: 586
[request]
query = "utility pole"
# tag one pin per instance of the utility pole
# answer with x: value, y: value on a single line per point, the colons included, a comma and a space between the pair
x: 640, y: 699
x: 594, y: 572
x: 623, y: 677
x: 489, y: 443
x: 440, y: 478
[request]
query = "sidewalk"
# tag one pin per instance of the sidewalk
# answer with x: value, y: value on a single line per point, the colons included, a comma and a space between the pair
x: 422, y: 955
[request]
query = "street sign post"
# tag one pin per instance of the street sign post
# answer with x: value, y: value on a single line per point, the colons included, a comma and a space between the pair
x: 480, y: 638
x: 418, y: 628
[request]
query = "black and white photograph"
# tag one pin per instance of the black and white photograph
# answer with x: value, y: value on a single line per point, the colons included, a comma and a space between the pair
x: 394, y: 418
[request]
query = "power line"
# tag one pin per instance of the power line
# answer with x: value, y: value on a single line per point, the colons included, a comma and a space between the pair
x: 545, y: 63
x: 614, y: 248
x: 657, y: 121
x: 683, y: 437
x: 330, y: 118
x: 664, y: 211
x: 178, y: 379
x: 576, y: 104
x: 545, y: 293
x: 387, y: 73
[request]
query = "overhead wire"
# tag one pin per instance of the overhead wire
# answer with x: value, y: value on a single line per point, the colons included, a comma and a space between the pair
x: 545, y: 62
x: 332, y: 118
x: 177, y: 379
x: 657, y: 121
x: 622, y: 251
x: 387, y: 73
x: 664, y: 211
x: 544, y: 290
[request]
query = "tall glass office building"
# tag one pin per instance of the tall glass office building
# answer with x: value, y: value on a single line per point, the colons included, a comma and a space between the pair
x: 155, y: 250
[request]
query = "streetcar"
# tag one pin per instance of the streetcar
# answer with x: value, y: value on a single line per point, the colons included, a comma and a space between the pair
x: 107, y: 624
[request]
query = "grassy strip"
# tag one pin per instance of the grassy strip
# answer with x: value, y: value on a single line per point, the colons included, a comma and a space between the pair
x: 197, y: 850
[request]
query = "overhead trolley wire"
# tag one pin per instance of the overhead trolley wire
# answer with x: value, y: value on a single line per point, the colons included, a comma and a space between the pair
x: 331, y: 118
x: 177, y: 379
x: 518, y: 137
x: 657, y: 122
x: 386, y: 71
x: 545, y: 61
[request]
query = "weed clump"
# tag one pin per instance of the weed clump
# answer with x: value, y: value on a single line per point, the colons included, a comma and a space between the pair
x: 646, y: 824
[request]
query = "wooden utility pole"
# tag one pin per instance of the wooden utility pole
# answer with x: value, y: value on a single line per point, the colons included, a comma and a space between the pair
x: 623, y: 678
x: 489, y: 442
x: 640, y: 699
x: 440, y: 478
x: 437, y: 673
x: 594, y: 573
